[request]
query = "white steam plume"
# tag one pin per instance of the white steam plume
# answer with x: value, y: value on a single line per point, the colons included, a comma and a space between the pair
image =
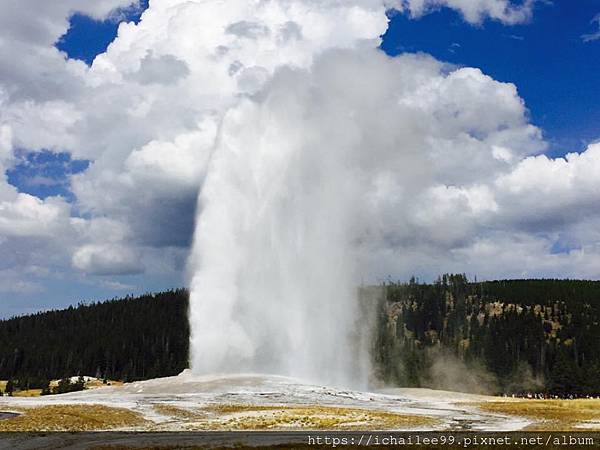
x: 273, y: 287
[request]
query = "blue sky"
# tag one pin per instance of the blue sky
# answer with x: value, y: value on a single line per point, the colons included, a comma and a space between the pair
x: 87, y: 37
x: 555, y: 71
x: 45, y: 174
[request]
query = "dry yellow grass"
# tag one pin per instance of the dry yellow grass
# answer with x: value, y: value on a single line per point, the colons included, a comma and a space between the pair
x: 551, y: 415
x: 261, y: 417
x: 239, y: 408
x: 28, y: 393
x: 71, y: 418
x: 179, y: 413
x: 25, y: 393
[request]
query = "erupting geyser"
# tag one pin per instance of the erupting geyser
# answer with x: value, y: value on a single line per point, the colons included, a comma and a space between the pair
x: 273, y: 285
x: 274, y: 291
x: 319, y: 151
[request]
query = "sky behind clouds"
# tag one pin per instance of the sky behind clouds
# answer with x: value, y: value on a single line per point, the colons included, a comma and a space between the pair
x: 103, y: 154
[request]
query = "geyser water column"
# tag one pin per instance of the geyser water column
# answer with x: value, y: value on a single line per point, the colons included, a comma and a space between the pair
x: 273, y: 282
x: 274, y: 290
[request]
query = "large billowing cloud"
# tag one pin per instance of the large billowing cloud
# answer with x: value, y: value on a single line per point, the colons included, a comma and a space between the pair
x: 450, y: 167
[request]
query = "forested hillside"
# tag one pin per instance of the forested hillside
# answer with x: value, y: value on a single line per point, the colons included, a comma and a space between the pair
x: 500, y: 336
x: 494, y: 337
x: 126, y: 339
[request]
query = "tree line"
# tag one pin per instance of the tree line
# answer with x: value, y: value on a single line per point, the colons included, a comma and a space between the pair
x: 133, y: 338
x: 508, y: 336
x: 519, y: 335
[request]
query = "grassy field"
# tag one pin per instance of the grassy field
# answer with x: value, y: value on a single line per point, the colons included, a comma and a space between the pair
x: 214, y: 418
x: 551, y: 415
x: 249, y: 417
x: 175, y: 412
x: 28, y: 393
x: 310, y: 417
x: 70, y: 418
